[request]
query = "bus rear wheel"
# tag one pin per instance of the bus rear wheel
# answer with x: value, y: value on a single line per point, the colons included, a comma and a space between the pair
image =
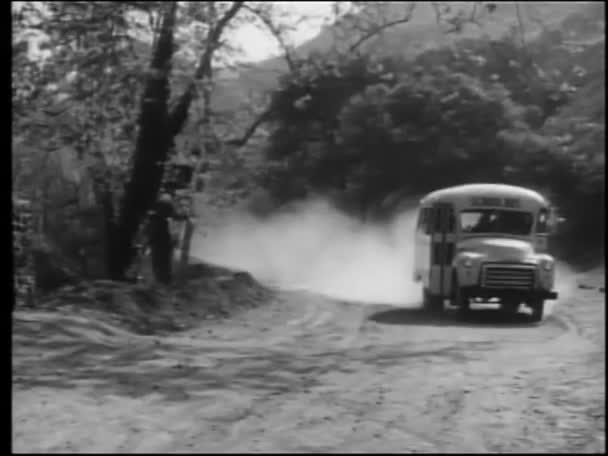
x: 538, y: 307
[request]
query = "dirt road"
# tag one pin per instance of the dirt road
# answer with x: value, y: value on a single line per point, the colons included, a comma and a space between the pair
x: 308, y: 374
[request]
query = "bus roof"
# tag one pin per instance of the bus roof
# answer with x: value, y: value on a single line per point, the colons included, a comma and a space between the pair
x: 484, y: 190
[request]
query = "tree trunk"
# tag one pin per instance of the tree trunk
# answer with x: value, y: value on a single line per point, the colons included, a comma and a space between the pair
x: 179, y: 115
x: 156, y: 133
x: 152, y: 150
x: 204, y: 69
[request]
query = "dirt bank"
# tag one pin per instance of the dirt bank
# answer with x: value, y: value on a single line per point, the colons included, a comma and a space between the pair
x: 201, y: 292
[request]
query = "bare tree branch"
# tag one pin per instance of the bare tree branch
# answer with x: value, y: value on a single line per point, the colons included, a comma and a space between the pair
x: 455, y: 21
x: 276, y: 33
x: 262, y: 118
x: 179, y: 113
x: 213, y: 40
x: 368, y: 34
x: 376, y: 29
x: 204, y: 70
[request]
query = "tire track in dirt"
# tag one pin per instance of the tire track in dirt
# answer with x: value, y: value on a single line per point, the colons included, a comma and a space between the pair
x: 324, y: 318
x: 306, y: 373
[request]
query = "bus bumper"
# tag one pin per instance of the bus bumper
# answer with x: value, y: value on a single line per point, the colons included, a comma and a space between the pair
x: 488, y: 293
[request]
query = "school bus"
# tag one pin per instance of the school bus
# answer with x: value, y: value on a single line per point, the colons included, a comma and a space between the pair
x: 485, y: 243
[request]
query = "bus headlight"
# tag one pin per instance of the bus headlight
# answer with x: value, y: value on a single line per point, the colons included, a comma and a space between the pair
x: 547, y: 265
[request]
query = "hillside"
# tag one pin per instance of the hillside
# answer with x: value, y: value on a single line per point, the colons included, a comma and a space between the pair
x: 564, y: 26
x: 235, y: 87
x: 420, y: 34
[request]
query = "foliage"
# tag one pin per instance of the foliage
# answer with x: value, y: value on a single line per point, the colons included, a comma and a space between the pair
x: 345, y: 121
x: 518, y: 69
x: 401, y: 129
x: 88, y: 96
x: 483, y: 110
x: 84, y: 89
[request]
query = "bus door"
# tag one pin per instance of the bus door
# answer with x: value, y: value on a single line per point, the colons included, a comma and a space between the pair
x: 443, y: 238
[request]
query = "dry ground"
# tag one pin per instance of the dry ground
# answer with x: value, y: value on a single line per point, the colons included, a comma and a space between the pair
x: 309, y: 374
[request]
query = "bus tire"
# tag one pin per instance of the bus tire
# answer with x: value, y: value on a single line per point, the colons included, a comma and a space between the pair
x: 538, y: 307
x: 460, y: 300
x: 509, y: 306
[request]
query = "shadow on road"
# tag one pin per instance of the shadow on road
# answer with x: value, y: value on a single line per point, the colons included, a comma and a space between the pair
x: 451, y: 317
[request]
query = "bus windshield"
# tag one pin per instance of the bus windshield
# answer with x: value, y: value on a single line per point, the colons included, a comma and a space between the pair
x: 496, y: 221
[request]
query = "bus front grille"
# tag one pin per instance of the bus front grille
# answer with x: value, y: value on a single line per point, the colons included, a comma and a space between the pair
x: 516, y: 277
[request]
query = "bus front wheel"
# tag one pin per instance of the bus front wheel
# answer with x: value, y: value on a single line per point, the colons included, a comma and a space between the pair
x: 538, y: 306
x: 460, y: 299
x: 509, y: 306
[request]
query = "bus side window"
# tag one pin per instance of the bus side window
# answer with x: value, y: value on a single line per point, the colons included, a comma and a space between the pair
x: 451, y: 222
x: 437, y: 221
x: 429, y: 220
x: 542, y: 226
x: 424, y: 224
x: 420, y: 224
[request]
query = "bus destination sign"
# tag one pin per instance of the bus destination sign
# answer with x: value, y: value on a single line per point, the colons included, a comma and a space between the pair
x: 512, y: 203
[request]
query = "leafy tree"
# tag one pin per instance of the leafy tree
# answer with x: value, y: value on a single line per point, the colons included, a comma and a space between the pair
x: 74, y: 105
x: 518, y: 68
x: 88, y: 92
x: 482, y: 110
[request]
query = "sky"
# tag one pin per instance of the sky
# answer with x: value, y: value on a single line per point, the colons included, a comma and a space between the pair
x: 258, y: 45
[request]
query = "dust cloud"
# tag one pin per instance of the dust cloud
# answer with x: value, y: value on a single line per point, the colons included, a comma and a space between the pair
x: 315, y: 247
x: 565, y: 285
